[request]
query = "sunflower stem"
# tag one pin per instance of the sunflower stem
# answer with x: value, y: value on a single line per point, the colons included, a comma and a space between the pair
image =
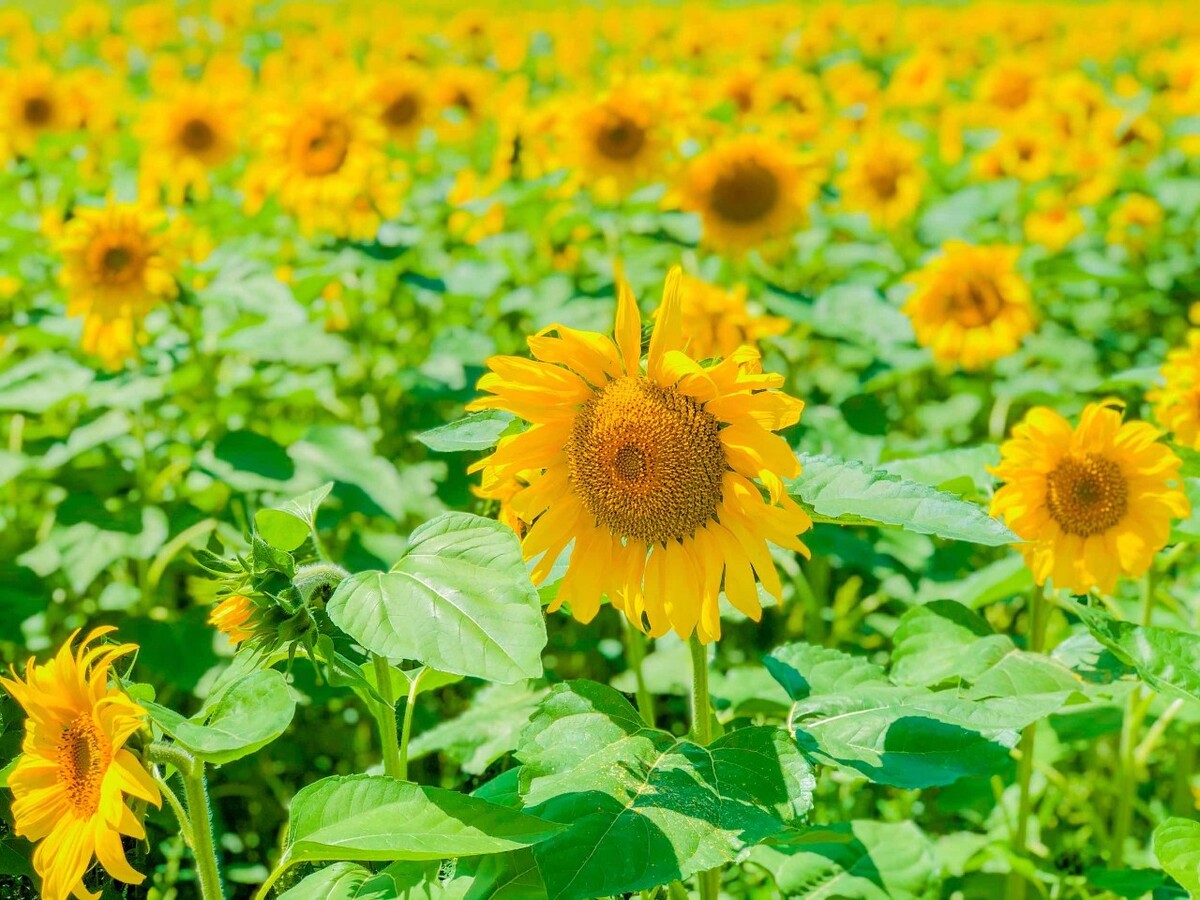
x: 1015, y: 889
x: 386, y: 719
x: 635, y: 654
x: 702, y: 732
x: 414, y: 685
x: 199, y: 815
x: 173, y: 801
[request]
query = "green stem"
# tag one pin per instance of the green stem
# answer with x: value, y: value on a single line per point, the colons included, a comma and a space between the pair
x: 1015, y: 889
x: 386, y: 718
x: 710, y: 881
x: 173, y: 801
x: 199, y: 815
x: 406, y: 728
x: 276, y: 874
x: 635, y: 653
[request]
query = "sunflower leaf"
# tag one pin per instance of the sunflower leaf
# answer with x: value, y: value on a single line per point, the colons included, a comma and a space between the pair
x: 1177, y: 846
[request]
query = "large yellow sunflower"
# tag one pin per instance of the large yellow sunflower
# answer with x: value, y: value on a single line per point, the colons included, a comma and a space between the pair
x: 184, y: 137
x: 971, y: 306
x: 1177, y: 401
x: 1091, y: 503
x: 70, y: 784
x: 747, y: 192
x: 116, y: 268
x: 649, y: 473
x: 884, y: 178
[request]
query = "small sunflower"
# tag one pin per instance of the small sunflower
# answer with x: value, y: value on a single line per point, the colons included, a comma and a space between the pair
x: 747, y: 192
x: 971, y: 306
x: 34, y: 101
x: 116, y: 268
x: 70, y: 784
x: 185, y: 137
x: 1135, y: 222
x: 234, y: 617
x: 716, y: 322
x: 614, y: 139
x: 402, y: 98
x: 1091, y: 503
x: 1177, y: 401
x: 884, y: 178
x: 649, y: 473
x: 1054, y: 222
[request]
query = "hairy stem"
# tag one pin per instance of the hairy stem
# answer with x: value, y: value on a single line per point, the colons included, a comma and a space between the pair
x: 386, y: 718
x: 199, y: 816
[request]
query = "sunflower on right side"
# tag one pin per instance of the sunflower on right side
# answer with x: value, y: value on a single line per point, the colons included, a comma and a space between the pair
x: 1177, y: 400
x: 1091, y: 503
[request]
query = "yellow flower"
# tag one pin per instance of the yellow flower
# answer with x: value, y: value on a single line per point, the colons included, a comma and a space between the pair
x: 716, y: 322
x: 1177, y: 402
x: 1054, y: 222
x: 1009, y: 85
x: 70, y: 784
x: 798, y: 98
x: 1135, y: 221
x: 402, y: 97
x: 116, y: 268
x: 614, y: 139
x: 234, y: 618
x: 33, y: 101
x: 747, y: 192
x: 1091, y: 503
x: 919, y: 80
x: 884, y: 178
x: 184, y: 137
x: 649, y: 472
x: 970, y: 306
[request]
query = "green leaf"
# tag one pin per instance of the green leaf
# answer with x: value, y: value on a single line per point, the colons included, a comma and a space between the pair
x: 643, y: 807
x: 247, y: 716
x: 288, y: 525
x: 938, y: 470
x: 372, y: 817
x: 340, y: 881
x: 805, y: 669
x: 852, y: 493
x: 478, y: 431
x: 40, y: 382
x: 861, y: 860
x: 1177, y: 846
x: 1167, y: 660
x: 485, y: 732
x: 932, y: 641
x: 460, y: 600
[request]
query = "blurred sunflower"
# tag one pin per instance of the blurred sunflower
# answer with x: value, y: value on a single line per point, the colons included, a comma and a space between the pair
x: 1177, y: 401
x: 35, y: 101
x: 716, y: 322
x: 1091, y: 503
x: 649, y: 473
x: 971, y: 306
x: 401, y: 96
x: 1054, y: 221
x: 184, y: 138
x: 74, y: 772
x: 1135, y: 222
x: 615, y: 139
x: 884, y: 178
x: 747, y: 192
x: 116, y: 268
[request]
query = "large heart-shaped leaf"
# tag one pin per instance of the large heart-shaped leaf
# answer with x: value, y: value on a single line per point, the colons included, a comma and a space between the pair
x: 460, y: 600
x: 1177, y: 846
x: 1167, y: 660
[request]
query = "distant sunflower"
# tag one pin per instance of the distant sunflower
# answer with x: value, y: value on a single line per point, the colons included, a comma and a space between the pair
x: 615, y: 138
x: 185, y: 137
x: 716, y: 322
x: 401, y: 97
x: 650, y: 474
x: 747, y: 192
x: 1177, y: 401
x: 34, y: 101
x: 1091, y: 503
x: 70, y: 783
x: 884, y: 178
x: 971, y: 306
x: 116, y: 268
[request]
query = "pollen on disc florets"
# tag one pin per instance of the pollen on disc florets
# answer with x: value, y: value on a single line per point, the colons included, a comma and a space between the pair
x: 83, y: 758
x: 646, y: 461
x: 1087, y: 495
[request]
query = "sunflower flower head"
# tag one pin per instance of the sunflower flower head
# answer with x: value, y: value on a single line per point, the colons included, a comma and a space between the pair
x: 718, y: 322
x: 651, y: 471
x: 1092, y: 502
x: 74, y: 773
x: 971, y: 306
x: 234, y: 617
x: 1177, y: 401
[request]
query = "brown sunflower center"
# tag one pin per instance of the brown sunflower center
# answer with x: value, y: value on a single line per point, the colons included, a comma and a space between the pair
x: 1087, y: 495
x: 322, y: 145
x: 646, y: 461
x: 884, y: 178
x: 745, y: 192
x: 83, y: 758
x: 401, y: 111
x: 118, y: 263
x: 620, y: 138
x: 975, y: 302
x: 37, y: 111
x: 197, y: 135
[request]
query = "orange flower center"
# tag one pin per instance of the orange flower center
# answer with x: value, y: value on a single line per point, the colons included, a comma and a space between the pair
x: 1087, y: 495
x: 83, y: 758
x: 321, y: 145
x: 975, y: 302
x: 197, y: 135
x: 883, y: 175
x: 745, y: 192
x: 646, y: 461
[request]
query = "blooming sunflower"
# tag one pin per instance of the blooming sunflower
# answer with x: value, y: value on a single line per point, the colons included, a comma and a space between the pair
x: 116, y: 268
x: 1136, y: 220
x: 1091, y: 503
x: 884, y: 178
x: 650, y: 473
x: 185, y: 137
x: 1054, y: 221
x: 70, y: 783
x: 1177, y: 401
x: 971, y: 306
x: 35, y: 101
x: 747, y: 192
x: 716, y: 322
x: 402, y: 98
x: 614, y: 140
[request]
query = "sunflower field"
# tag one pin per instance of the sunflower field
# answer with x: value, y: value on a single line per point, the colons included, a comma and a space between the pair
x: 551, y: 451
